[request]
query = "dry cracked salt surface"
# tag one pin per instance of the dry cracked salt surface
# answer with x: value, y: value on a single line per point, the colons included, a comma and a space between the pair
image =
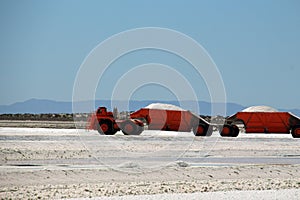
x: 220, y: 195
x: 59, y: 163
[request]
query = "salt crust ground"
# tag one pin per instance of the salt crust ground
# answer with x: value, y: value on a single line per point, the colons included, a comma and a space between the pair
x: 291, y: 194
x: 41, y: 163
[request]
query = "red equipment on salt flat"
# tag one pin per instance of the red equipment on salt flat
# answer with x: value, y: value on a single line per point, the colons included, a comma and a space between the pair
x: 262, y: 122
x: 173, y: 120
x: 156, y: 119
x: 105, y: 123
x: 182, y: 120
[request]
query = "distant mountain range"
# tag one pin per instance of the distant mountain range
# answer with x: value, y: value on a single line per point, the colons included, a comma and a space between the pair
x: 36, y: 106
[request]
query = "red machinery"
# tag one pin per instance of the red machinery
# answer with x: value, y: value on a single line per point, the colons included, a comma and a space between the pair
x: 262, y: 122
x: 105, y: 123
x: 176, y: 120
x: 156, y: 119
x: 173, y: 120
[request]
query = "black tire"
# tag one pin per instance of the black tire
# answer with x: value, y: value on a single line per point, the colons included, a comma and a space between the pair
x: 296, y: 131
x: 105, y: 127
x: 209, y: 130
x: 140, y: 130
x: 226, y: 131
x: 130, y: 128
x: 235, y: 131
x: 240, y: 125
x: 202, y: 130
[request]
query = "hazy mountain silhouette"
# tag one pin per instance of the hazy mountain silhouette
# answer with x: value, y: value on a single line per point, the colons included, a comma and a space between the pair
x: 49, y: 106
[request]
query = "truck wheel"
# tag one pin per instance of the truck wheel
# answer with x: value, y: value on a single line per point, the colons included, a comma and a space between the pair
x: 199, y: 130
x: 209, y: 131
x: 130, y: 128
x: 140, y: 130
x: 226, y: 131
x: 235, y: 131
x: 202, y: 130
x: 296, y: 131
x: 105, y: 128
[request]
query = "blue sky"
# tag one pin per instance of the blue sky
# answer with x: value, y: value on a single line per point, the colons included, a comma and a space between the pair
x: 255, y: 45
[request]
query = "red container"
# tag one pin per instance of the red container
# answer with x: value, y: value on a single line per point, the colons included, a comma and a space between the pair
x: 169, y: 120
x: 266, y: 122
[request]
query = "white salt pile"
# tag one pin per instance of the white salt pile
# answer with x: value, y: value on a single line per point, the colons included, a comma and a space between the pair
x: 162, y: 106
x: 260, y: 109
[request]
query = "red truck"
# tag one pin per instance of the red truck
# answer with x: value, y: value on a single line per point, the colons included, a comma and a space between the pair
x: 173, y: 120
x: 156, y: 119
x: 105, y: 123
x: 262, y: 122
x: 185, y: 121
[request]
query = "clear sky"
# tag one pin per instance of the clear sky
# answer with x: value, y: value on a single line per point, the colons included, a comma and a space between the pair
x: 255, y: 44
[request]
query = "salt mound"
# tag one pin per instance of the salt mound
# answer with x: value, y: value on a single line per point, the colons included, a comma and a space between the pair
x: 162, y: 106
x: 260, y: 109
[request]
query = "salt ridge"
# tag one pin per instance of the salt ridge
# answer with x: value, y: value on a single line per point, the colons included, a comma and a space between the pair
x: 260, y: 109
x: 162, y: 106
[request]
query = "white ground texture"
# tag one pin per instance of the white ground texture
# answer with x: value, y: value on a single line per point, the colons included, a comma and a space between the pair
x: 37, y: 163
x: 231, y: 195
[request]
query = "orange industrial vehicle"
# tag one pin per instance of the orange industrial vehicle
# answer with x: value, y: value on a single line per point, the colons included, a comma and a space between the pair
x: 262, y: 122
x: 185, y: 121
x: 173, y: 120
x: 105, y: 123
x: 156, y: 119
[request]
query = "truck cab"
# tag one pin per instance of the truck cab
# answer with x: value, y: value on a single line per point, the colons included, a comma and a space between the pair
x: 102, y: 111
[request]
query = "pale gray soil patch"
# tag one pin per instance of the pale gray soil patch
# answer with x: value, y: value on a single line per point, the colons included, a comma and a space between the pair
x: 291, y: 194
x: 55, y: 163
